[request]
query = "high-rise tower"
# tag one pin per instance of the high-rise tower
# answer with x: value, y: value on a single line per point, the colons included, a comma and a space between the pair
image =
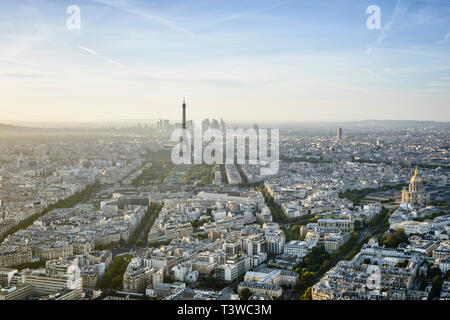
x: 339, y: 134
x: 183, y: 123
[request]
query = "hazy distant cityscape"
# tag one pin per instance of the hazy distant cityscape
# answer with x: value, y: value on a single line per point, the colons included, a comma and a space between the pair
x: 220, y: 150
x: 103, y: 213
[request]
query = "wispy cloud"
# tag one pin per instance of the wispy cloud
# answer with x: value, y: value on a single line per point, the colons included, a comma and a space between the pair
x: 23, y: 76
x: 438, y: 86
x: 127, y: 6
x: 443, y: 82
x: 445, y: 2
x: 238, y: 15
x: 445, y: 39
x: 400, y: 9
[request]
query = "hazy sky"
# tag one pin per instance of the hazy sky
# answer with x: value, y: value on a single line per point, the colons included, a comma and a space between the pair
x: 297, y: 60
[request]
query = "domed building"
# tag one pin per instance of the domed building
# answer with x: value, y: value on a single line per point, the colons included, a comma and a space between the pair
x: 415, y: 193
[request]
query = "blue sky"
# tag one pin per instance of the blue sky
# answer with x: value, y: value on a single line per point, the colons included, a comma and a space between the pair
x: 240, y: 60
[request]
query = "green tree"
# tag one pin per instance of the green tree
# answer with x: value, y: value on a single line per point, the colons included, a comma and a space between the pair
x: 307, y: 295
x: 245, y: 294
x: 433, y: 272
x: 114, y: 275
x: 394, y: 239
x: 436, y: 288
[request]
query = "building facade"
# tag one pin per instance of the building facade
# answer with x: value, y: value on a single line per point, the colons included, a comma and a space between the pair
x: 415, y: 193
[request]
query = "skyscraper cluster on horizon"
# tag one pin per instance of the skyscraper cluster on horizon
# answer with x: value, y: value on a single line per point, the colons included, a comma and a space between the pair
x: 207, y: 124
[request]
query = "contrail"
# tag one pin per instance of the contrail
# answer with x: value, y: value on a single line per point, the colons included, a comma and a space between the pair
x: 399, y: 11
x: 161, y: 20
x: 95, y: 53
x: 89, y: 50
